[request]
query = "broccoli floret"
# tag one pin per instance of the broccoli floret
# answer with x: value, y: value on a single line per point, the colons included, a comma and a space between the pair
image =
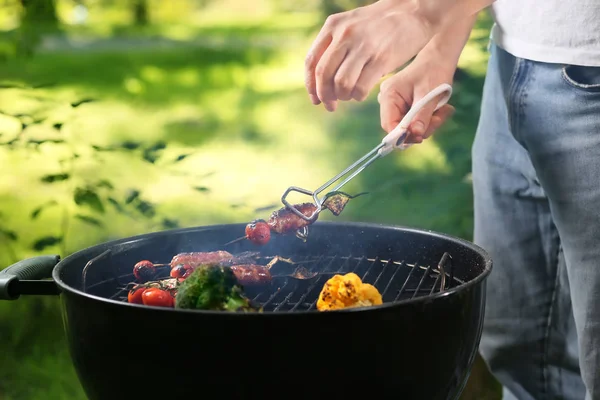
x: 212, y: 287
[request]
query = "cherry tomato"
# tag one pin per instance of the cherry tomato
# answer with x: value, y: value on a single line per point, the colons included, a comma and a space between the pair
x: 180, y: 271
x: 258, y: 232
x: 144, y: 270
x: 135, y: 295
x: 157, y: 297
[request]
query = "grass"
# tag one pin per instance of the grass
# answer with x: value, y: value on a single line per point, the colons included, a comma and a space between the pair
x: 240, y: 118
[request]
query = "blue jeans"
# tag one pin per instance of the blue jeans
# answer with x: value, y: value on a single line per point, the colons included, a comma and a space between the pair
x: 536, y: 181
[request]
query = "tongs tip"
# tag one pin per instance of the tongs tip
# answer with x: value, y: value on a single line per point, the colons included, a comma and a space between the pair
x: 291, y: 207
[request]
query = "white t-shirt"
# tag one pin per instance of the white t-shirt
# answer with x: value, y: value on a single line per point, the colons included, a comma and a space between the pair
x: 552, y: 31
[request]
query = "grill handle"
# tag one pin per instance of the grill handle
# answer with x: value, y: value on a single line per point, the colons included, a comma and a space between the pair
x: 27, y: 277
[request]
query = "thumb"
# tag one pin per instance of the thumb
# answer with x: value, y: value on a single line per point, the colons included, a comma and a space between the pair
x: 422, y: 119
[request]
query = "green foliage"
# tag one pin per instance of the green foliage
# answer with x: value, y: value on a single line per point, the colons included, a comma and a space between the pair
x: 81, y: 196
x: 35, y: 359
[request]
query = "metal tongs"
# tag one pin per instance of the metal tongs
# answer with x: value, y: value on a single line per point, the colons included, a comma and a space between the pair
x: 393, y: 140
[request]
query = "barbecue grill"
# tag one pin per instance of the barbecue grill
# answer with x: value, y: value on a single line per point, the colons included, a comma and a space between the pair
x: 419, y: 344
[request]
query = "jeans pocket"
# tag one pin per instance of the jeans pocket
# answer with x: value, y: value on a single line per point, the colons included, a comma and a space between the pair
x: 582, y: 78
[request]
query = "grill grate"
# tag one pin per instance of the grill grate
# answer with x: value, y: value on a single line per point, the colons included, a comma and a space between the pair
x: 395, y: 280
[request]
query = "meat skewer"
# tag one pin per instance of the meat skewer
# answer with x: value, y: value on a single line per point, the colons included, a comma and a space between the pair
x: 183, y: 263
x: 200, y: 257
x: 256, y: 274
x: 249, y: 275
x: 253, y: 274
x: 284, y: 220
x: 242, y: 268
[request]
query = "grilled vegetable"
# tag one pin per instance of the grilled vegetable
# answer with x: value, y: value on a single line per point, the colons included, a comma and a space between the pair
x: 347, y: 291
x: 212, y: 287
x: 336, y: 201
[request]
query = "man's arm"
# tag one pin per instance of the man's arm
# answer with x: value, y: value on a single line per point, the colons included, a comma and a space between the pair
x: 441, y: 15
x: 446, y: 46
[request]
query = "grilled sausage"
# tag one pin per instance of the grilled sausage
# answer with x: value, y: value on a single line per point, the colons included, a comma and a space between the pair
x: 284, y: 220
x: 251, y: 274
x: 195, y: 259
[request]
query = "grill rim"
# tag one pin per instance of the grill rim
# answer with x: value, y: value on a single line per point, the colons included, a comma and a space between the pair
x: 453, y: 291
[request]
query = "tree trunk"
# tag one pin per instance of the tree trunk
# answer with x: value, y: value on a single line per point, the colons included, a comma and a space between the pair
x: 38, y: 17
x: 39, y: 12
x: 140, y: 12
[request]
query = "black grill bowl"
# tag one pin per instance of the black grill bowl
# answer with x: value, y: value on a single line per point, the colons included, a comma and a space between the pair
x: 418, y: 348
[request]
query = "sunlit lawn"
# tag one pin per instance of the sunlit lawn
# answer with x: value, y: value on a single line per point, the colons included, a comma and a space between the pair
x: 240, y: 119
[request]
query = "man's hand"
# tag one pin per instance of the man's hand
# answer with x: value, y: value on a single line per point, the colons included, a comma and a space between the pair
x: 434, y: 65
x: 408, y: 86
x: 354, y: 49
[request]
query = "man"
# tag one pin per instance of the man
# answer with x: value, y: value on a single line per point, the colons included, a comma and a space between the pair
x: 536, y: 162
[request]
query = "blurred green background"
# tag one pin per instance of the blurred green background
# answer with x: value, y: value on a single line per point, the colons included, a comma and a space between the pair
x: 121, y: 117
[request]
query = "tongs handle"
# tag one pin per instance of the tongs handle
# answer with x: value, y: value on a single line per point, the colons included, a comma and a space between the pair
x: 395, y: 139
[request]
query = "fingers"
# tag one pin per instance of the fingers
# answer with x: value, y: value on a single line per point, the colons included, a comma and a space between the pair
x: 325, y: 72
x: 348, y: 74
x: 392, y: 108
x: 313, y: 57
x: 436, y: 121
x: 420, y: 122
x: 439, y: 118
x: 369, y: 77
